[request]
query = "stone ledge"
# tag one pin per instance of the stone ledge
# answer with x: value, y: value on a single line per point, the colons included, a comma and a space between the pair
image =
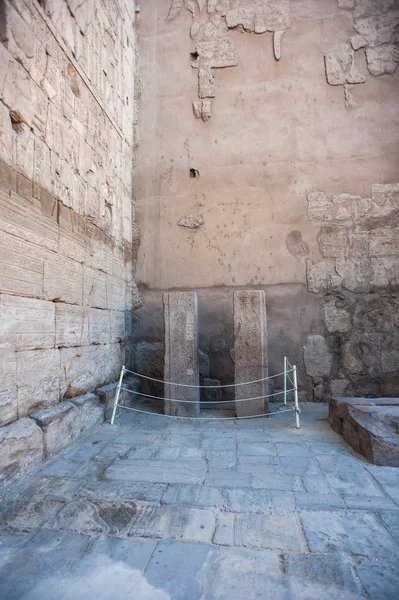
x: 369, y: 426
x: 106, y: 394
x: 21, y: 448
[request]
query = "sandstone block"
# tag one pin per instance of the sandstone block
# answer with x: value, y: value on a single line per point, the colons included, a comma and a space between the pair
x: 38, y: 379
x: 63, y: 280
x: 340, y: 66
x: 6, y: 135
x: 250, y: 351
x: 383, y: 59
x: 59, y: 426
x: 181, y: 352
x: 317, y: 357
x: 71, y: 325
x: 90, y: 412
x: 88, y: 367
x: 318, y: 276
x: 8, y: 386
x: 26, y: 323
x: 22, y: 448
x: 99, y: 326
x: 94, y: 288
x: 336, y: 319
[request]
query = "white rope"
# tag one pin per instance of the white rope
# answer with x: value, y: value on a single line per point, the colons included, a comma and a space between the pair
x: 204, y: 401
x: 146, y: 412
x: 206, y: 386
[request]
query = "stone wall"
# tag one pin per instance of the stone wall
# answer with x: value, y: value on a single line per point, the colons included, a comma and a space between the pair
x: 270, y: 161
x: 68, y: 132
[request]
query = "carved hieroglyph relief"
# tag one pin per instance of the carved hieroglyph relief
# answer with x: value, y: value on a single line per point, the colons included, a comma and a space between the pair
x: 214, y: 48
x: 375, y: 23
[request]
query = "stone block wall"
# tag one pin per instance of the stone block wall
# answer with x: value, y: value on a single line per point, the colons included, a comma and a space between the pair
x: 68, y: 133
x: 270, y: 161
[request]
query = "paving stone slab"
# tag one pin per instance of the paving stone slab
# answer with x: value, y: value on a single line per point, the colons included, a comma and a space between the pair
x: 220, y: 459
x: 350, y: 464
x: 347, y: 531
x: 323, y: 576
x: 28, y: 516
x: 157, y: 471
x: 258, y: 460
x: 256, y: 449
x: 94, y: 516
x: 133, y: 554
x: 391, y: 522
x: 123, y: 490
x: 329, y: 448
x: 293, y: 449
x: 260, y: 471
x: 298, y: 465
x: 381, y: 582
x: 194, y: 495
x: 319, y: 501
x: 227, y: 478
x: 244, y: 573
x: 316, y: 484
x: 388, y: 478
x: 41, y: 564
x: 353, y: 484
x: 175, y: 568
x: 173, y: 522
x: 370, y: 503
x: 257, y: 531
x: 50, y: 488
x: 111, y: 452
x: 288, y: 483
x: 214, y: 443
x: 179, y: 453
x: 266, y: 502
x: 141, y: 451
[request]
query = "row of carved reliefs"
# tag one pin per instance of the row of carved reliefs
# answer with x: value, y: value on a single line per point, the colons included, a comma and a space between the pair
x: 67, y: 137
x: 214, y: 48
x: 375, y: 22
x: 358, y: 280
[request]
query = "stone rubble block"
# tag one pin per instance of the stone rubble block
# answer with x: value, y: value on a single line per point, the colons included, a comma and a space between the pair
x: 91, y: 413
x: 317, y: 357
x: 59, y: 426
x: 369, y: 426
x: 21, y: 449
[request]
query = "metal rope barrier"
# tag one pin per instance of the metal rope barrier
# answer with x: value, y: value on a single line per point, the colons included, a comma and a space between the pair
x: 189, y: 385
x: 295, y: 408
x: 207, y: 401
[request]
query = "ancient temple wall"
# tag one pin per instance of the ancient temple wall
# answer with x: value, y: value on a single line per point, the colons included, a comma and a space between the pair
x: 279, y: 175
x: 68, y: 131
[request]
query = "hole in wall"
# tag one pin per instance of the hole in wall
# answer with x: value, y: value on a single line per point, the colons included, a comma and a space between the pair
x: 194, y: 173
x: 16, y: 122
x: 194, y: 56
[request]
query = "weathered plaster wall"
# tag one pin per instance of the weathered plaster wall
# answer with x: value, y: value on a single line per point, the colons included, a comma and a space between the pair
x: 276, y: 174
x: 68, y: 131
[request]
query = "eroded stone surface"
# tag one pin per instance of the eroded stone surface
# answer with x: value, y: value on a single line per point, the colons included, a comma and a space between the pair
x: 250, y: 352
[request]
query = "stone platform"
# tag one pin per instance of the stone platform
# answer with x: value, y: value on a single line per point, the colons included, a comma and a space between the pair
x: 370, y: 426
x: 154, y: 508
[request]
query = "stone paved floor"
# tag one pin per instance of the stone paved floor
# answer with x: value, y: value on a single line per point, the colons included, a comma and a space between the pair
x: 155, y: 509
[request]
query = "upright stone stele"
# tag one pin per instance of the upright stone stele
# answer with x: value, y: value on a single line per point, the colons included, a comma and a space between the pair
x: 181, y: 353
x: 250, y: 351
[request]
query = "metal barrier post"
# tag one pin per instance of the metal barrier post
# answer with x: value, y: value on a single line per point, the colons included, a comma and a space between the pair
x: 296, y: 398
x: 285, y: 380
x: 118, y: 391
